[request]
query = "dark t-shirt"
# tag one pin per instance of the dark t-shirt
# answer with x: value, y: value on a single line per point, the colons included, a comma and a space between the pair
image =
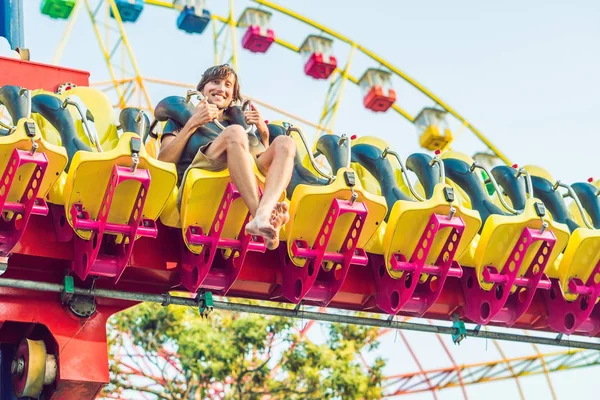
x: 203, y: 135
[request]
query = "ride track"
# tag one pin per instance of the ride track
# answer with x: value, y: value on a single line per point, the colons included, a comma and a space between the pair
x: 260, y: 277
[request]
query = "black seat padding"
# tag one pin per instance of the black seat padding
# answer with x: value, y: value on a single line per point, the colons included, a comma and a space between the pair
x: 553, y: 200
x: 586, y: 193
x: 127, y: 119
x: 15, y: 105
x: 300, y: 174
x: 458, y: 171
x: 369, y: 157
x: 514, y: 187
x: 50, y: 107
x: 336, y: 155
x: 428, y: 175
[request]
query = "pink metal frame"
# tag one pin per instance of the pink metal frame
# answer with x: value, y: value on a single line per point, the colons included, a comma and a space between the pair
x: 408, y: 293
x: 88, y: 259
x: 196, y: 268
x: 12, y: 229
x: 499, y: 304
x: 311, y: 282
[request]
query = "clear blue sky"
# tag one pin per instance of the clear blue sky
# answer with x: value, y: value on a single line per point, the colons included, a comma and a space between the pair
x: 525, y: 73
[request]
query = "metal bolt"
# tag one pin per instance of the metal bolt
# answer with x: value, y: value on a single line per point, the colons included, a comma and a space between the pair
x: 17, y: 367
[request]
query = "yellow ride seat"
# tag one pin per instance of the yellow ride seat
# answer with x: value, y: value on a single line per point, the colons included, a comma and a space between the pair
x: 201, y: 197
x: 56, y: 156
x: 501, y: 232
x: 89, y: 176
x: 582, y: 254
x: 28, y: 173
x: 309, y: 210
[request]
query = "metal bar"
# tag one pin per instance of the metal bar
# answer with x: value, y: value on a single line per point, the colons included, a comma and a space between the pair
x: 66, y: 34
x: 11, y: 22
x: 138, y: 75
x: 290, y: 313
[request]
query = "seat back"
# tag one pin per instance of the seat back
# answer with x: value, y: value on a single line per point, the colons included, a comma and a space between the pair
x: 300, y: 174
x: 428, y: 175
x: 514, y: 188
x: 543, y: 189
x: 587, y: 194
x: 369, y: 157
x: 457, y: 167
x: 15, y: 104
x: 336, y: 154
x: 47, y: 107
x: 102, y: 116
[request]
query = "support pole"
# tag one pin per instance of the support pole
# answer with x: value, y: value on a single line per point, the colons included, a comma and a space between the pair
x: 11, y: 22
x: 167, y: 299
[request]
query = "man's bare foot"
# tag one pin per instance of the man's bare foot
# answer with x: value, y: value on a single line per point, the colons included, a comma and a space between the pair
x: 280, y: 215
x: 261, y: 226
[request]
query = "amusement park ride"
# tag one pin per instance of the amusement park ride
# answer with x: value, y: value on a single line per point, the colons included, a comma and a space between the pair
x: 79, y: 229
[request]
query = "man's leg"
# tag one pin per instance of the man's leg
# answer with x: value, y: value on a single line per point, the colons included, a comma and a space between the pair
x: 232, y: 145
x: 278, y: 162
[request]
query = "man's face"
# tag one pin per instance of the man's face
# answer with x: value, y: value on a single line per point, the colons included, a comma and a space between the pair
x: 220, y: 91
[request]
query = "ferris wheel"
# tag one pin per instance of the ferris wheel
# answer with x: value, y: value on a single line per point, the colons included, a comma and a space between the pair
x: 254, y: 29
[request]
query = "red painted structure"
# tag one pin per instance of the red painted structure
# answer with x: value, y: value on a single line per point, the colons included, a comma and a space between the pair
x: 42, y: 254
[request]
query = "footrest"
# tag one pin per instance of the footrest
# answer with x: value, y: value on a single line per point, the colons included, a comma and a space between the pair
x: 420, y: 284
x: 197, y: 270
x: 13, y: 225
x: 108, y: 250
x: 511, y: 290
x: 312, y: 282
x: 575, y: 316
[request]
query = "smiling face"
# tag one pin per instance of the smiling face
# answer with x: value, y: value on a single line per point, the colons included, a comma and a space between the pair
x: 220, y: 86
x: 219, y: 91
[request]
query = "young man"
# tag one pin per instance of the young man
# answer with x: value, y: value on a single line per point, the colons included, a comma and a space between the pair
x: 234, y: 149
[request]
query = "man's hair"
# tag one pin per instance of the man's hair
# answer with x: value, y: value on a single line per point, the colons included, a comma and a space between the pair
x: 221, y: 72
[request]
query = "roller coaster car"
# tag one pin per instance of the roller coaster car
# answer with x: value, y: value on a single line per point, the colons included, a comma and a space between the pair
x: 575, y: 276
x: 514, y: 247
x: 416, y: 251
x: 208, y: 209
x: 330, y: 223
x: 30, y: 166
x: 108, y: 197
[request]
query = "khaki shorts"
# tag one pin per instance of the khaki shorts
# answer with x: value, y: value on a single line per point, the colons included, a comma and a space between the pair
x: 202, y: 161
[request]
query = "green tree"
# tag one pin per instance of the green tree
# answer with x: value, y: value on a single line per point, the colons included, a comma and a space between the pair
x: 173, y: 353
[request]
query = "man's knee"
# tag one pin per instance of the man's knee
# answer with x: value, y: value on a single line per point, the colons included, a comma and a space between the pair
x: 235, y: 135
x: 285, y: 145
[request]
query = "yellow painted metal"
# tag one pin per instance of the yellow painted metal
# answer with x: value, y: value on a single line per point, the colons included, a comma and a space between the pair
x: 334, y: 95
x: 66, y: 33
x: 36, y: 368
x: 56, y: 155
x: 409, y: 220
x: 232, y: 25
x: 138, y: 75
x: 391, y: 67
x: 309, y: 208
x: 89, y: 176
x: 105, y: 53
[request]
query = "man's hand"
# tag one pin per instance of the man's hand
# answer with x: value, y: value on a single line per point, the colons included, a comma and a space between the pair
x: 204, y: 113
x: 253, y: 118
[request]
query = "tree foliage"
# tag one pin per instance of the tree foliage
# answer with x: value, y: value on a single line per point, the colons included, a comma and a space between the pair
x: 173, y: 353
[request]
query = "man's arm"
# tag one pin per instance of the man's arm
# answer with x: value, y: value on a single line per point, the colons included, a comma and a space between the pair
x: 172, y: 146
